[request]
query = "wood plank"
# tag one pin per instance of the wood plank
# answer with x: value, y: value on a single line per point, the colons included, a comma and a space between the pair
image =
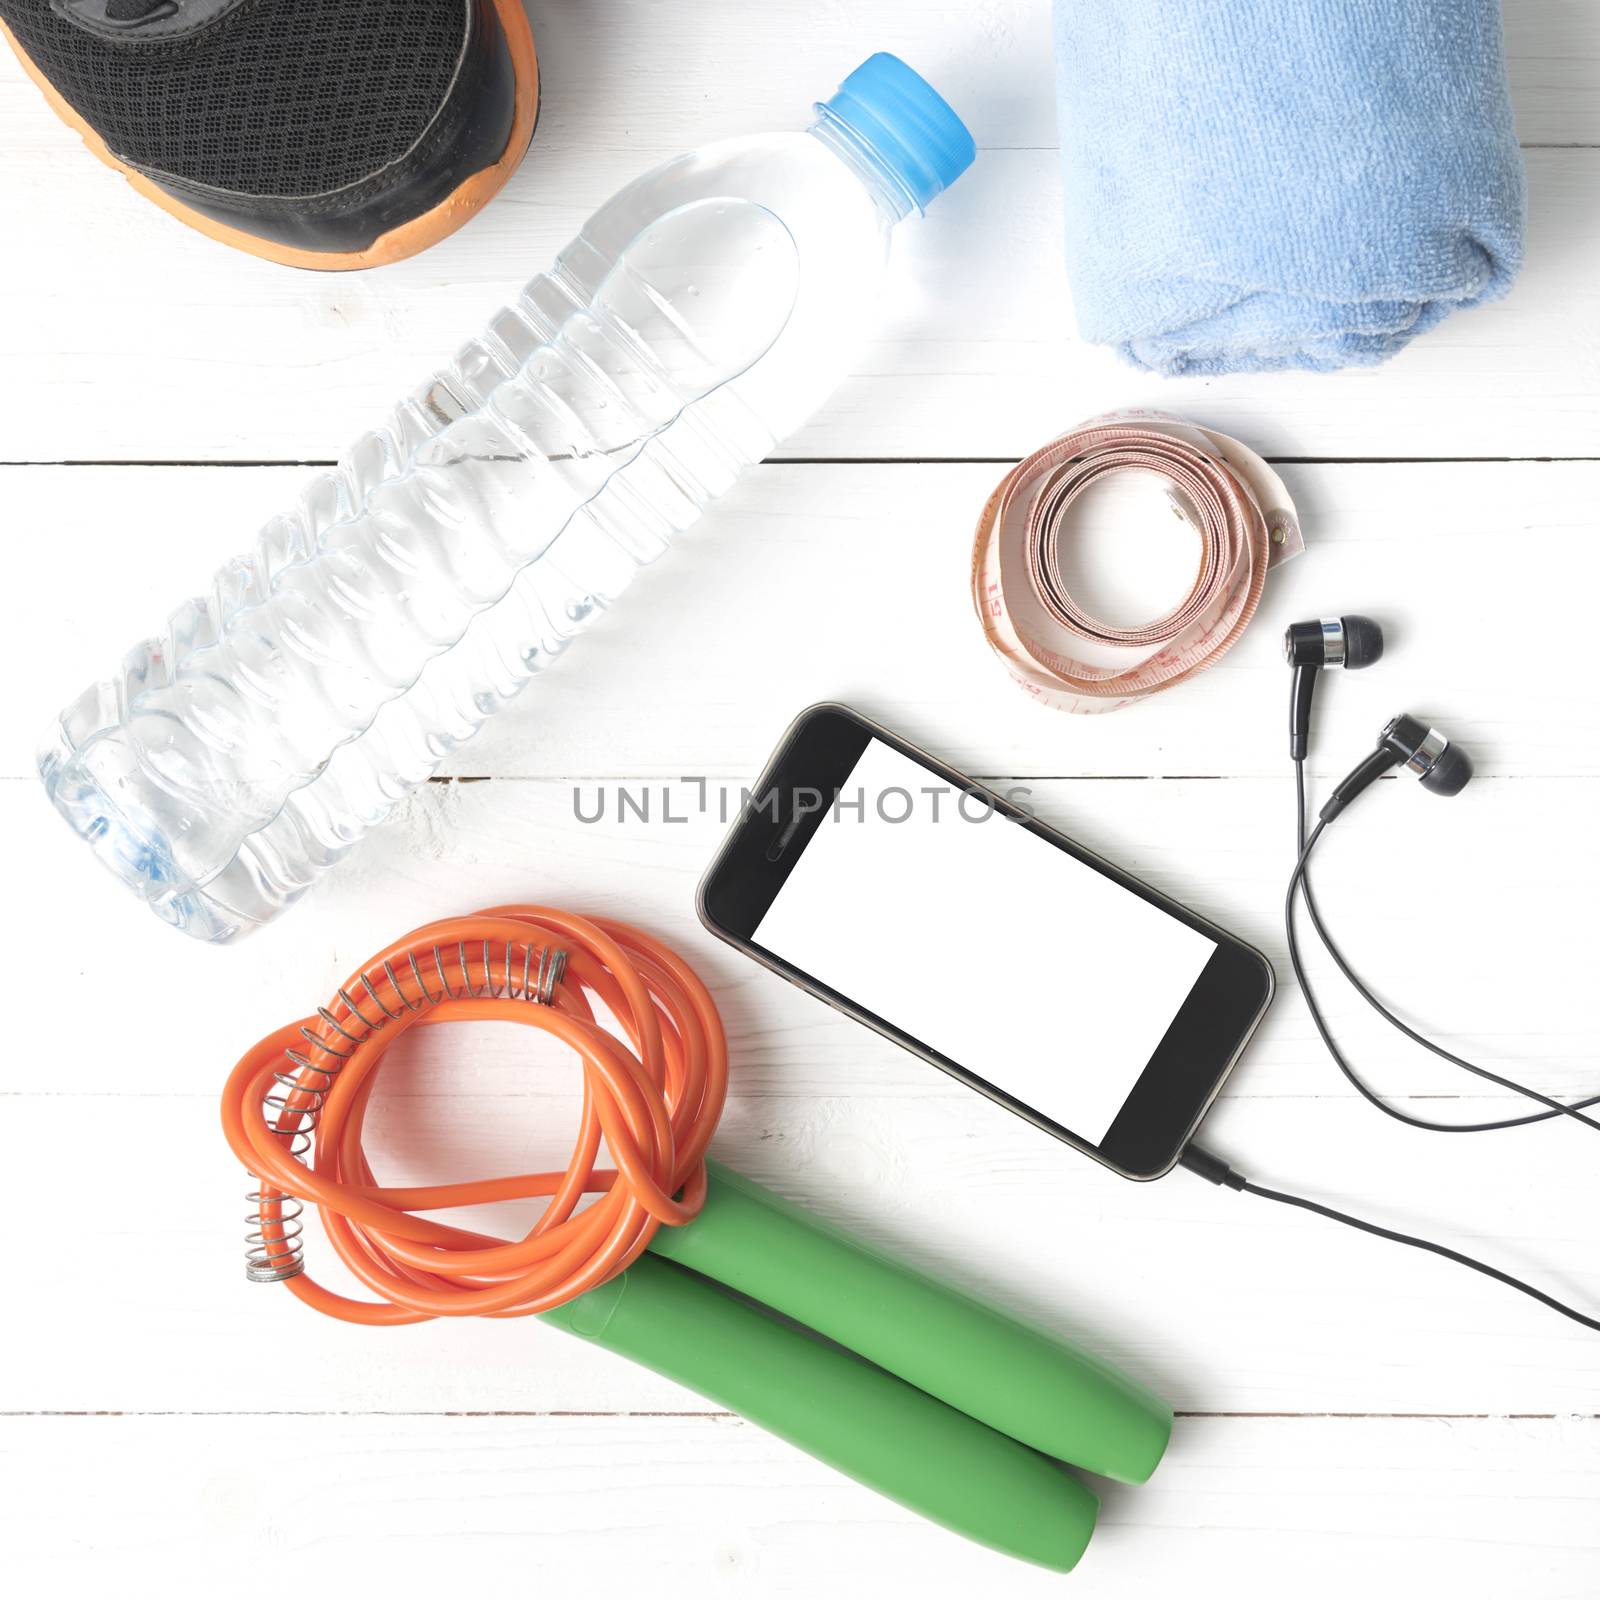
x: 995, y: 70
x: 849, y: 582
x: 1553, y: 53
x: 114, y: 1121
x: 189, y: 351
x: 628, y: 73
x: 1451, y: 944
x: 1220, y: 1302
x: 188, y: 1506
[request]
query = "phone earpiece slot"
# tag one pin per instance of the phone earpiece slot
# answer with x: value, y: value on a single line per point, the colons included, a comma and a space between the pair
x: 786, y: 837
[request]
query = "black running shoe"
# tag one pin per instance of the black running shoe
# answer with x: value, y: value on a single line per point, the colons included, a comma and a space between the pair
x: 316, y: 133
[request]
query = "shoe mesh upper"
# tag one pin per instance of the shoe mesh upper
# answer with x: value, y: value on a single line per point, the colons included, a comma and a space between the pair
x: 278, y: 97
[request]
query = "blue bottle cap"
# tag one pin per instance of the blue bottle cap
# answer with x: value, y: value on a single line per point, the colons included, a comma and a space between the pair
x: 907, y: 124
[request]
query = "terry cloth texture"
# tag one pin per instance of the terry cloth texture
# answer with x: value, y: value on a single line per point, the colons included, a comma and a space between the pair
x: 1255, y: 184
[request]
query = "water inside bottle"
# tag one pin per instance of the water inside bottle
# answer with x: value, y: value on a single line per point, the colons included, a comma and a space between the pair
x: 690, y: 305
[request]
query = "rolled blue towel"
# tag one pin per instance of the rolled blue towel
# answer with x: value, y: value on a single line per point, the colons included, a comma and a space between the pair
x: 1253, y: 184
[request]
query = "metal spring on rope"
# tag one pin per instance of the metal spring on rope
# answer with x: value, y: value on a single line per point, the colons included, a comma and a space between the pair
x: 274, y: 1246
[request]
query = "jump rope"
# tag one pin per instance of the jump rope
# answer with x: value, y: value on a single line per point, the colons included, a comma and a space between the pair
x: 946, y: 1405
x: 295, y: 1106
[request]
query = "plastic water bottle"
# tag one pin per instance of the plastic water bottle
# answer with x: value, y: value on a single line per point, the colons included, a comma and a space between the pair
x: 698, y: 318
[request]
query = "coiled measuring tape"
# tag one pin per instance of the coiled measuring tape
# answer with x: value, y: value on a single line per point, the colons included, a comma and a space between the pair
x: 1069, y: 659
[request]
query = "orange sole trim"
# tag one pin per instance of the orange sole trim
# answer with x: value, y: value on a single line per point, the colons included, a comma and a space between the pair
x: 410, y: 237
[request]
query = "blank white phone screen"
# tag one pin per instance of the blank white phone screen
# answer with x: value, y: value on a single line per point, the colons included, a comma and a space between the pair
x: 984, y: 942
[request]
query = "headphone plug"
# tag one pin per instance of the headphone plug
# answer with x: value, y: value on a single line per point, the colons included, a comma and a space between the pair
x: 1212, y: 1168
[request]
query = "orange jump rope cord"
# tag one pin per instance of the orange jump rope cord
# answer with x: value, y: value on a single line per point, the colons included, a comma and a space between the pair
x: 655, y: 1097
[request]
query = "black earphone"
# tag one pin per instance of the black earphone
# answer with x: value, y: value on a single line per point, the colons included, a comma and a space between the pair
x: 1444, y: 769
x: 1354, y: 642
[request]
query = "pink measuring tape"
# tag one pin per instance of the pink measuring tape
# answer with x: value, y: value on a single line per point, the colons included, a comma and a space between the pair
x: 1068, y: 659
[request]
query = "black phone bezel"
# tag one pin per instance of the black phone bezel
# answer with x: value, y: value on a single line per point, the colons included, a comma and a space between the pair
x: 1180, y: 1081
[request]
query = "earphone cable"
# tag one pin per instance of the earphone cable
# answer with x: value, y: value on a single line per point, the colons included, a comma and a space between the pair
x: 1215, y: 1170
x: 1299, y: 884
x: 1212, y: 1168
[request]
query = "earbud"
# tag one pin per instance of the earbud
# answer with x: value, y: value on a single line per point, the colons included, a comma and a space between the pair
x: 1308, y: 647
x: 1443, y: 769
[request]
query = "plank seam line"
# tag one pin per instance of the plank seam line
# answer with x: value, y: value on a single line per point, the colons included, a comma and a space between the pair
x: 934, y: 1096
x: 733, y: 777
x: 1191, y: 1416
x: 983, y: 778
x: 226, y: 463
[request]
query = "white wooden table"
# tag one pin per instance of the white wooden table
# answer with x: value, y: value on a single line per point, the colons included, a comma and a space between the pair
x: 1352, y: 1417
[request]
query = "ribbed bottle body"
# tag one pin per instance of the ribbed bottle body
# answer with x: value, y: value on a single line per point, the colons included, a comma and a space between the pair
x: 457, y: 550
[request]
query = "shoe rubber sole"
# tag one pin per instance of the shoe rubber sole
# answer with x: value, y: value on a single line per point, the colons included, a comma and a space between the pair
x: 460, y: 206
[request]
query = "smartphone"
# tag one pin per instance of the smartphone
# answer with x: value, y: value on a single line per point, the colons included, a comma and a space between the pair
x: 949, y: 919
